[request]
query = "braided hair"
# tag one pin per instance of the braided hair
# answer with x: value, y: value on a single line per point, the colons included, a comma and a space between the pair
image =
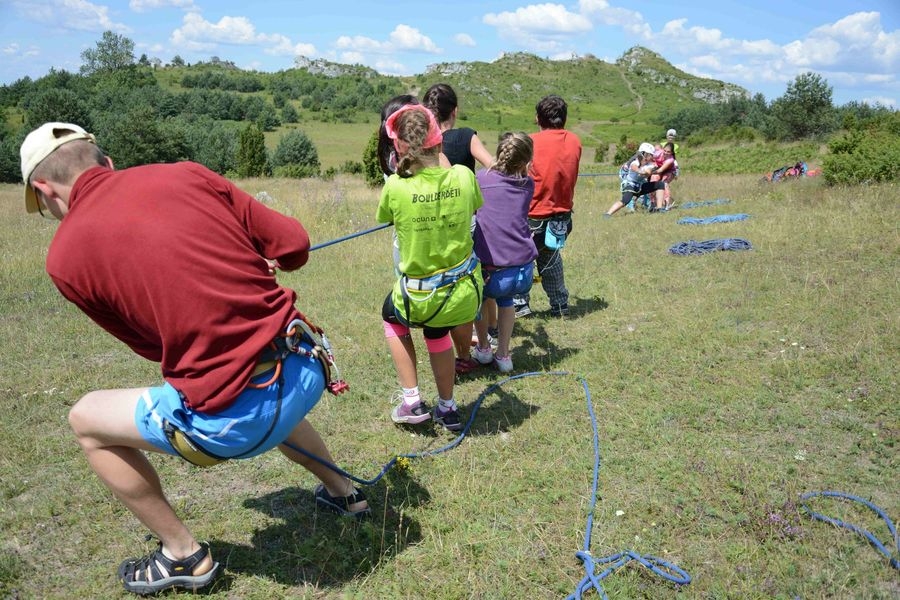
x: 386, y: 156
x: 441, y: 100
x: 412, y: 128
x: 514, y: 153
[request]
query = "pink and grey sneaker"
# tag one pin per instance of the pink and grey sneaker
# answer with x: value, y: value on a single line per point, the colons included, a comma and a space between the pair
x: 504, y: 363
x: 448, y: 419
x: 410, y: 415
x: 483, y: 356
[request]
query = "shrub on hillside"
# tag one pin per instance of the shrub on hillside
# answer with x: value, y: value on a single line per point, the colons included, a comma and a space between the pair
x: 624, y: 151
x: 371, y: 166
x: 868, y: 153
x: 295, y: 156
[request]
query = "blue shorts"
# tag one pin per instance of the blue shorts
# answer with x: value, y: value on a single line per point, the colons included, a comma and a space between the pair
x: 507, y: 282
x: 235, y: 431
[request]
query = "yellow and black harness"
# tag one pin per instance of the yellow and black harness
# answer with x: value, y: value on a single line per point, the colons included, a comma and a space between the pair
x: 270, y: 359
x: 443, y: 281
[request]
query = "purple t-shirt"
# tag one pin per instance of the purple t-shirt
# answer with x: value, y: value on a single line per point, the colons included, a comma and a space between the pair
x: 502, y: 236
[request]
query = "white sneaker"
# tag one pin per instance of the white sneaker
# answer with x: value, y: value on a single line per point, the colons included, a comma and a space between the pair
x: 504, y: 365
x: 485, y: 356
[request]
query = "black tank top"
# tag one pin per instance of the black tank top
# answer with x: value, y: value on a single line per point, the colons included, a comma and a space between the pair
x: 457, y: 147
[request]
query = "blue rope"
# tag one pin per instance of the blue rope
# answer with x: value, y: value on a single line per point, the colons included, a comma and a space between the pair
x: 704, y: 203
x: 456, y: 442
x: 715, y: 219
x: 694, y: 247
x: 894, y: 561
x: 592, y: 579
x: 350, y: 236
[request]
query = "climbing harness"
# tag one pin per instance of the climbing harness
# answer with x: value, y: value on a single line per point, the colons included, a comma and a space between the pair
x: 271, y: 359
x: 297, y: 330
x: 441, y: 282
x: 555, y: 230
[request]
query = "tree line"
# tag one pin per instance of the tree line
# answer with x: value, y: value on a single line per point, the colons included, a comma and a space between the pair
x: 217, y: 115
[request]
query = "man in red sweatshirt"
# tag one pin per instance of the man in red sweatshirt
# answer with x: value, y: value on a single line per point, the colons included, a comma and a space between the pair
x: 179, y: 264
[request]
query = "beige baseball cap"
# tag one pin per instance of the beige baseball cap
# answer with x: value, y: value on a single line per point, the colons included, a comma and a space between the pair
x: 39, y: 144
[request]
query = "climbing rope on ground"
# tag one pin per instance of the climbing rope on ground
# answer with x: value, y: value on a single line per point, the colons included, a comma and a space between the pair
x: 715, y: 219
x: 894, y: 560
x: 611, y: 563
x: 694, y: 247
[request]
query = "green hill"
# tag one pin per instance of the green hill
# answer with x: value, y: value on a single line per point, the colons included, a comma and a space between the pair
x: 605, y: 100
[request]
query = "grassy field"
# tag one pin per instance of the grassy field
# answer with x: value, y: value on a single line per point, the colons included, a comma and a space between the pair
x: 724, y: 386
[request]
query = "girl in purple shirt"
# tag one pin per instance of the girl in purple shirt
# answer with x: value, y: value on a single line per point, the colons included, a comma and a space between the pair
x: 503, y: 241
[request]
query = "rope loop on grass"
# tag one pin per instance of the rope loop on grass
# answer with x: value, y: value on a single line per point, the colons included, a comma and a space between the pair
x: 894, y: 560
x: 592, y: 579
x: 691, y: 247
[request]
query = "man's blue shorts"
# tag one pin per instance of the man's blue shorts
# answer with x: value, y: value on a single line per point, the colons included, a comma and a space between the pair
x: 236, y: 430
x: 502, y: 284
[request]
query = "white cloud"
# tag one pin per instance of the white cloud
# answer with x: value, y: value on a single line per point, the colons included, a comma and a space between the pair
x: 391, y: 67
x: 629, y: 21
x: 69, y: 14
x: 539, y: 27
x: 360, y: 43
x: 196, y: 33
x: 848, y: 51
x: 402, y: 39
x: 882, y: 100
x: 351, y: 58
x: 464, y: 39
x: 858, y: 41
x: 538, y: 19
x: 145, y: 5
x: 408, y: 38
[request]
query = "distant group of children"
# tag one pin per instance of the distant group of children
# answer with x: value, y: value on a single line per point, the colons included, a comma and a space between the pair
x: 648, y: 174
x: 466, y: 243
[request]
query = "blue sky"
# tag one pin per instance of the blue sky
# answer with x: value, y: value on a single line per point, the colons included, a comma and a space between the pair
x: 761, y: 45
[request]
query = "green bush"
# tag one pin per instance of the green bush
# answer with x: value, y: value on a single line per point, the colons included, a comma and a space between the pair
x: 351, y: 167
x: 252, y: 158
x: 371, y: 166
x: 624, y: 152
x: 294, y: 154
x: 870, y: 153
x: 294, y: 171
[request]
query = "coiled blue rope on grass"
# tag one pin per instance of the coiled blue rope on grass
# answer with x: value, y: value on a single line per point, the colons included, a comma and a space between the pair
x: 694, y: 247
x: 894, y: 561
x: 715, y: 219
x: 704, y: 203
x: 592, y: 578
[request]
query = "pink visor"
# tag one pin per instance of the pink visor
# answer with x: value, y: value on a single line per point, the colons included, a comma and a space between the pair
x: 434, y: 136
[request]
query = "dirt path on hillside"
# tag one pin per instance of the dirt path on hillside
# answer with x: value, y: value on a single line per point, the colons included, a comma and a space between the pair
x: 639, y: 103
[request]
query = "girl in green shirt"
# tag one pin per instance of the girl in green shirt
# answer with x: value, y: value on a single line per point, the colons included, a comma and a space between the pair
x: 439, y: 287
